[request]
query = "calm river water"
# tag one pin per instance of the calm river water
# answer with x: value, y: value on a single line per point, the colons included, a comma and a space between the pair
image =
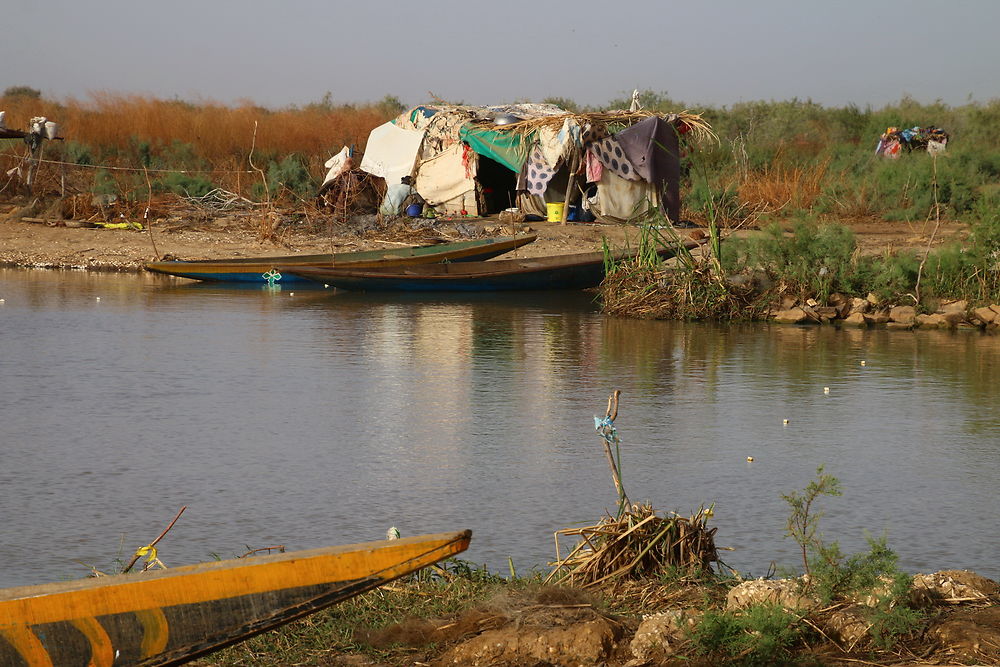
x: 306, y: 418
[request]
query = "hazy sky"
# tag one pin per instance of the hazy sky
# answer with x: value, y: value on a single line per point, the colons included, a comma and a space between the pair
x: 280, y: 54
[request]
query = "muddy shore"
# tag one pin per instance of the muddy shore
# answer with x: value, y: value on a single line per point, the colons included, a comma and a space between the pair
x: 27, y: 241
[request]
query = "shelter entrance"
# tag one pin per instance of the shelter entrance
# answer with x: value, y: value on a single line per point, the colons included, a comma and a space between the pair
x: 498, y: 186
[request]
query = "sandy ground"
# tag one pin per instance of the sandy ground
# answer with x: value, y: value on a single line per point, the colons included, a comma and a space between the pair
x: 40, y: 244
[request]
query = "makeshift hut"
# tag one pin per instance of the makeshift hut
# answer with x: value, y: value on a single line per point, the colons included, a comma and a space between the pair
x: 537, y: 158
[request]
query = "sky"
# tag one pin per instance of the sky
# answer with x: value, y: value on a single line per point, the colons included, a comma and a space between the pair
x: 709, y: 53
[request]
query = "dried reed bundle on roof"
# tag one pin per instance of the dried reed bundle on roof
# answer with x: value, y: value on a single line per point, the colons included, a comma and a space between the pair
x: 638, y: 544
x: 698, y: 127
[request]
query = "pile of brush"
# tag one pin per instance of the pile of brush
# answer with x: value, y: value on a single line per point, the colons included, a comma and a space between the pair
x: 638, y: 544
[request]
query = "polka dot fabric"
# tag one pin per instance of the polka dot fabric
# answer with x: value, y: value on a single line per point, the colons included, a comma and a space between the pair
x: 537, y: 173
x: 611, y: 155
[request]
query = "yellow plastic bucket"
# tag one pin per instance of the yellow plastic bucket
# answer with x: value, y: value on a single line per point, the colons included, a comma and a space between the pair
x: 555, y: 212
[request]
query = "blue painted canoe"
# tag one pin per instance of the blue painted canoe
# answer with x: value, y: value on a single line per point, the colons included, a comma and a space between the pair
x: 577, y: 271
x: 257, y: 269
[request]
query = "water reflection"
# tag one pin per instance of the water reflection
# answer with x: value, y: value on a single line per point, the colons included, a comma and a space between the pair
x: 307, y: 417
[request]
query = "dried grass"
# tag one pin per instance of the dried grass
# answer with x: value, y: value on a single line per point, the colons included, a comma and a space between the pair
x: 779, y: 185
x: 638, y: 544
x: 698, y: 127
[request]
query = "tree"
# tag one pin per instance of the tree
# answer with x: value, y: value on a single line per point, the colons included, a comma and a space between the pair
x: 23, y: 91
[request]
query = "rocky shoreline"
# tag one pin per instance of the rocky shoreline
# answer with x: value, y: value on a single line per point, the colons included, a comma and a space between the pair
x: 841, y: 310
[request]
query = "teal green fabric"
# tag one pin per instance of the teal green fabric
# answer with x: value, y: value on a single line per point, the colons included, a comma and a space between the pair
x: 508, y: 148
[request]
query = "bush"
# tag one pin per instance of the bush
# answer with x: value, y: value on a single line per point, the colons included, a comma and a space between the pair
x: 186, y: 185
x: 758, y: 635
x: 289, y: 174
x: 815, y: 258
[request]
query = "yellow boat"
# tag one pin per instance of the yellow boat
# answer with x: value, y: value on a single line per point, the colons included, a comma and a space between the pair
x: 171, y: 616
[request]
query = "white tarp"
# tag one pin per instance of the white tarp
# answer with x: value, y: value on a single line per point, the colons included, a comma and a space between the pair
x: 444, y: 178
x: 391, y: 152
x: 336, y: 164
x: 445, y: 182
x: 620, y: 199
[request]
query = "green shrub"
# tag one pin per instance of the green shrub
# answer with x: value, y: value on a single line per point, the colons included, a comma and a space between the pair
x: 291, y: 173
x: 817, y: 258
x: 104, y: 183
x: 872, y: 577
x: 758, y: 635
x: 77, y: 153
x: 186, y: 185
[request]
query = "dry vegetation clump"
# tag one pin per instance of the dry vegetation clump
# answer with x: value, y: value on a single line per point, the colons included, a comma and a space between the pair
x: 109, y: 121
x: 780, y: 184
x: 638, y: 544
x: 689, y: 293
x: 128, y: 144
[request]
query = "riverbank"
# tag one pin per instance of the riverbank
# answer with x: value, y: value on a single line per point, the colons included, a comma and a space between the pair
x: 458, y: 616
x: 36, y: 236
x: 32, y: 236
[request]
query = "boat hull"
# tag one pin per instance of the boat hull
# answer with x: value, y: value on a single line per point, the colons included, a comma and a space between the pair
x: 172, y: 616
x: 255, y: 269
x: 559, y: 272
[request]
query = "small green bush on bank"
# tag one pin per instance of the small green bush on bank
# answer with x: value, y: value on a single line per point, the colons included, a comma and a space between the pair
x: 815, y: 260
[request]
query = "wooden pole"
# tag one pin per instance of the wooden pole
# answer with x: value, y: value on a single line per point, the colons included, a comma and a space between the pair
x: 610, y: 415
x: 33, y: 159
x: 574, y: 165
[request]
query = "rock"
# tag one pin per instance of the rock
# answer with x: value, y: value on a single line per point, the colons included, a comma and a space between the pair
x: 788, y: 302
x: 786, y: 592
x: 847, y: 626
x: 953, y: 318
x: 950, y: 586
x: 855, y: 320
x: 828, y: 313
x: 659, y: 633
x: 995, y: 308
x: 903, y: 314
x: 986, y: 315
x: 842, y: 303
x: 812, y: 303
x: 900, y: 326
x: 810, y: 312
x: 932, y: 320
x: 877, y: 317
x: 859, y: 305
x: 511, y: 216
x: 791, y: 316
x: 954, y: 306
x: 970, y: 635
x: 587, y: 643
x: 873, y: 299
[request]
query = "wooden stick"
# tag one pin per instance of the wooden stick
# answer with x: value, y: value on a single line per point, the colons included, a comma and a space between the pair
x: 153, y: 543
x: 574, y: 164
x: 612, y: 413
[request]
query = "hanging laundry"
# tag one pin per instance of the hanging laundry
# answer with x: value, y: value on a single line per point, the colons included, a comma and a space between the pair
x: 652, y: 146
x: 537, y: 172
x: 593, y: 167
x: 612, y: 156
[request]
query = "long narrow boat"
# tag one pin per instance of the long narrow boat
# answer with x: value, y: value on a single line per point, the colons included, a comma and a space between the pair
x: 577, y: 271
x: 171, y: 616
x: 257, y: 269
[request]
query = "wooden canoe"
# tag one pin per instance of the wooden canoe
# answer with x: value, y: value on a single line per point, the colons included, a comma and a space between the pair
x: 171, y: 616
x: 576, y: 271
x: 253, y: 269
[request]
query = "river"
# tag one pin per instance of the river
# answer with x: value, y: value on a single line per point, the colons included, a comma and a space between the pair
x: 306, y: 417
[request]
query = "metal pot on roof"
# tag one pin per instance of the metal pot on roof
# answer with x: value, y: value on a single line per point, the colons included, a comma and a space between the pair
x: 506, y: 119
